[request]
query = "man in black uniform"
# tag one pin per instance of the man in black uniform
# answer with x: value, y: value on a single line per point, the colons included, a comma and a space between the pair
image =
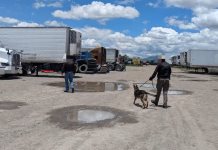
x: 163, y: 72
x: 69, y: 70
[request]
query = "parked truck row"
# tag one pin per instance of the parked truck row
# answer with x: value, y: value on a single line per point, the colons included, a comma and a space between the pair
x: 49, y: 47
x: 197, y: 59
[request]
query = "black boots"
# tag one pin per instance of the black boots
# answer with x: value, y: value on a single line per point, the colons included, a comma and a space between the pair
x: 154, y: 102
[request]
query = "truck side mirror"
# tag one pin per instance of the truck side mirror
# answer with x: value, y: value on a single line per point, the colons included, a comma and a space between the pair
x: 8, y: 51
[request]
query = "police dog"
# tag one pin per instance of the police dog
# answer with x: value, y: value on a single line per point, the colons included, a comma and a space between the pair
x: 141, y: 94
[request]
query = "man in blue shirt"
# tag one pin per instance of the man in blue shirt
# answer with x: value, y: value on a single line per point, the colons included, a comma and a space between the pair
x: 69, y: 70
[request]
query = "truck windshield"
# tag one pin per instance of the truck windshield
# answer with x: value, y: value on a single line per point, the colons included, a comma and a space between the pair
x: 4, y: 56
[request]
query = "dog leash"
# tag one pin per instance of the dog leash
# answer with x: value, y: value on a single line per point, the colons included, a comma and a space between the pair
x: 146, y: 82
x: 153, y: 84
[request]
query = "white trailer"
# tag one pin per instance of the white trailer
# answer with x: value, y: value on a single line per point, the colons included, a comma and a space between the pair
x: 111, y: 55
x: 42, y: 46
x: 174, y: 60
x: 183, y: 59
x: 10, y: 62
x: 203, y: 59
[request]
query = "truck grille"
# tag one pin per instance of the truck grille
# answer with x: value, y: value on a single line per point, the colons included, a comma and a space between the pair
x: 92, y: 65
x: 16, y: 60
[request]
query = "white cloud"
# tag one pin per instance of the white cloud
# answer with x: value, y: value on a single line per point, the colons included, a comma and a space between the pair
x: 17, y: 23
x: 145, y: 22
x: 207, y: 18
x: 205, y: 12
x: 41, y: 4
x: 28, y: 24
x: 173, y: 21
x: 55, y: 4
x: 97, y: 11
x: 38, y: 5
x: 158, y: 40
x: 54, y: 23
x: 156, y: 4
x: 125, y: 2
x: 192, y: 4
x: 8, y: 20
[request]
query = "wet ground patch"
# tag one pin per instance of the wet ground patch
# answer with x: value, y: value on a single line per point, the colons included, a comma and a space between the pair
x: 176, y: 92
x: 197, y: 80
x: 86, y: 117
x: 215, y: 89
x: 81, y: 86
x: 181, y: 76
x: 122, y: 80
x: 9, y: 77
x: 9, y: 105
x: 146, y: 85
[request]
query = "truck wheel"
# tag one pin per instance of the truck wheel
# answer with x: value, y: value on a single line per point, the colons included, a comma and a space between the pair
x: 83, y: 68
x: 206, y: 70
x: 118, y: 67
x: 110, y: 67
x: 77, y: 68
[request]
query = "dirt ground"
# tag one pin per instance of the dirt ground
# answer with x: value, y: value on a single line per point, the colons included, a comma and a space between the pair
x: 190, y: 122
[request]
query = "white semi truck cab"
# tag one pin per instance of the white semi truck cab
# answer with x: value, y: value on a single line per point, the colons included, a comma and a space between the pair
x: 10, y: 62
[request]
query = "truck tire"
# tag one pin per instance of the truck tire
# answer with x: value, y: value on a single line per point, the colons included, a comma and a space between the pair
x: 110, y: 67
x: 77, y: 68
x: 118, y: 67
x: 83, y: 68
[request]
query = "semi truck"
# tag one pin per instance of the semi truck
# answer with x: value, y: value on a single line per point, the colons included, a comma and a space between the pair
x: 10, y: 62
x: 203, y: 59
x: 45, y: 47
x: 100, y: 55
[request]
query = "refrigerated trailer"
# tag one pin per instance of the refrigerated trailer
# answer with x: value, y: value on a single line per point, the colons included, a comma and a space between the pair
x: 183, y: 59
x: 175, y: 60
x: 111, y: 55
x: 203, y: 59
x: 44, y: 47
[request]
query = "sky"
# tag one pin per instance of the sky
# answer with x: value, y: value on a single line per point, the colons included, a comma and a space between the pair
x: 136, y: 27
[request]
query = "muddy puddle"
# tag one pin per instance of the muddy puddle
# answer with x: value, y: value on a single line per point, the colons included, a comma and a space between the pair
x: 198, y: 80
x: 9, y: 105
x: 181, y: 76
x: 86, y: 117
x: 146, y: 85
x: 176, y: 92
x: 94, y: 86
x: 122, y: 80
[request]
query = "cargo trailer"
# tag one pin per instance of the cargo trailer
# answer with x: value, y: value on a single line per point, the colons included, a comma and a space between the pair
x: 203, y: 59
x: 44, y: 47
x: 183, y: 59
x: 111, y: 55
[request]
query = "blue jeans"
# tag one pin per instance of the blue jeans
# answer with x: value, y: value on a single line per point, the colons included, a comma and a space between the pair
x: 68, y: 79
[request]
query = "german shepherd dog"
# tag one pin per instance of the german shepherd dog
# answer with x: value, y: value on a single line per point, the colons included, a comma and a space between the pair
x: 143, y: 95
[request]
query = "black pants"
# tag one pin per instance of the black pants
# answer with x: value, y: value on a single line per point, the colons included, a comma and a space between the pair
x: 162, y: 84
